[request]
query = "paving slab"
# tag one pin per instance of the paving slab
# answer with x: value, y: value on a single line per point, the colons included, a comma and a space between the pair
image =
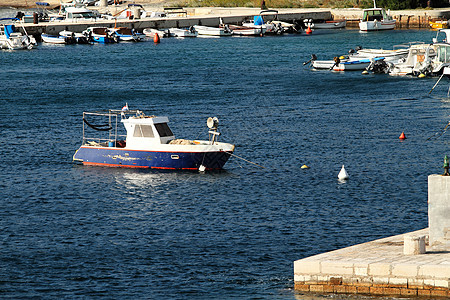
x: 378, y: 267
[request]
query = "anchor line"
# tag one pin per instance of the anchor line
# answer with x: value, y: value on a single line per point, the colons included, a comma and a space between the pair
x: 231, y: 154
x: 441, y: 134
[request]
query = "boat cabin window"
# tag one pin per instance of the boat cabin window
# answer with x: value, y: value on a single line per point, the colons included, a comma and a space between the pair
x: 143, y: 131
x: 163, y: 129
x: 371, y: 15
x: 444, y: 54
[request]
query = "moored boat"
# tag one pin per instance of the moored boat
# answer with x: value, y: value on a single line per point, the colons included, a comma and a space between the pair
x: 148, y: 143
x: 376, y: 19
x: 183, y: 32
x: 100, y: 35
x: 356, y: 65
x: 438, y: 24
x: 248, y: 30
x: 212, y: 31
x: 57, y: 39
x: 125, y: 34
x: 331, y: 24
x: 162, y: 33
x: 79, y: 37
x: 12, y: 39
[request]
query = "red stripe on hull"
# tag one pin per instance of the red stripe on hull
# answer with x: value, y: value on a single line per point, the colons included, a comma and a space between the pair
x: 113, y: 165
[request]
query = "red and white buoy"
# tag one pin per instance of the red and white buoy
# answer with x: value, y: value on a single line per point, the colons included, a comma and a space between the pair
x: 156, y: 39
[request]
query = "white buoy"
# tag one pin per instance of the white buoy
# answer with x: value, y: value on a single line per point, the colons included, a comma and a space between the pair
x: 343, y: 174
x: 202, y: 168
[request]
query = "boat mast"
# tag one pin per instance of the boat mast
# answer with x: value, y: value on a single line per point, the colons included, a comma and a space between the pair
x: 374, y: 4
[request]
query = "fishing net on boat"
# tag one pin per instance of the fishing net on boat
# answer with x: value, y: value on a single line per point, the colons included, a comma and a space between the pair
x: 181, y: 142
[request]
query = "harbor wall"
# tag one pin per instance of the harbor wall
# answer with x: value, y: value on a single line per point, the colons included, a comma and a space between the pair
x: 410, y: 264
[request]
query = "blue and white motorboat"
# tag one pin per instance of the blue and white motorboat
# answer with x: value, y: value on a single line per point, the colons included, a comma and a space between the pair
x: 100, y: 35
x: 356, y: 65
x: 12, y: 39
x: 126, y: 34
x: 148, y: 143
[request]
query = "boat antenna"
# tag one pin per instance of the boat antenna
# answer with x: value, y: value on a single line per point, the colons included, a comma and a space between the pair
x: 374, y: 4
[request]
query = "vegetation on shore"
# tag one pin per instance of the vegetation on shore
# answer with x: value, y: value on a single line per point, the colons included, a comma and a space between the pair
x: 388, y: 4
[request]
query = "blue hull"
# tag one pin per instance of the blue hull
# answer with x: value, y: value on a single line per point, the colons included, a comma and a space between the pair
x: 118, y: 157
x: 103, y: 40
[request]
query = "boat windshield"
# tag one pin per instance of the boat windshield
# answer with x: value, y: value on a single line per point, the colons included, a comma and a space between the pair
x: 163, y: 130
x: 372, y: 15
x: 81, y: 15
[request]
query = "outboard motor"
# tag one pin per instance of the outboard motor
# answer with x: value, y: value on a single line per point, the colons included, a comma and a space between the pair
x: 313, y: 58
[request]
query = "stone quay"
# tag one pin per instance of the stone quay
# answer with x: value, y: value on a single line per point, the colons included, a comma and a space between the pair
x: 411, y: 264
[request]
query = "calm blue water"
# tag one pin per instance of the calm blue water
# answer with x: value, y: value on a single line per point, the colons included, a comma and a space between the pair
x: 69, y: 231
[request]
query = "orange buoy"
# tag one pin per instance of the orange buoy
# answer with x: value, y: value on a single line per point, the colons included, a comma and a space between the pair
x: 308, y: 30
x: 402, y: 136
x: 156, y: 38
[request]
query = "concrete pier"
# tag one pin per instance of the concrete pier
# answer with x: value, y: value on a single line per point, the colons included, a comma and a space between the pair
x: 411, y: 264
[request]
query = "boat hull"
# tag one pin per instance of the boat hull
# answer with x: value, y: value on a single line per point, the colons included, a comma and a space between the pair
x: 329, y: 25
x: 376, y: 25
x: 122, y: 157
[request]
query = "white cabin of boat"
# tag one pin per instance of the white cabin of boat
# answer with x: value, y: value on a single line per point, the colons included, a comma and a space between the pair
x: 143, y: 131
x: 373, y: 14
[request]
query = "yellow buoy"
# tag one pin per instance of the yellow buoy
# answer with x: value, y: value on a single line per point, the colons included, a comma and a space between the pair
x: 365, y: 72
x: 341, y: 57
x: 421, y: 75
x: 305, y: 167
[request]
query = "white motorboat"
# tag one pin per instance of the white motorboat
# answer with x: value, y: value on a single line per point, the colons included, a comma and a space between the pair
x: 376, y: 19
x: 13, y: 40
x: 345, y: 63
x: 184, y: 32
x: 279, y: 27
x: 333, y: 24
x: 57, y: 39
x: 212, y: 31
x: 426, y: 59
x: 243, y: 30
x: 162, y: 33
x: 79, y: 37
x: 392, y: 56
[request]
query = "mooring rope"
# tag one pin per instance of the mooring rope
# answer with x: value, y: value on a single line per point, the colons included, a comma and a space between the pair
x: 244, y: 159
x: 437, y: 134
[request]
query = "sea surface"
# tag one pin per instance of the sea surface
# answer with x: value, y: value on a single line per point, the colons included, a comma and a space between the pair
x: 78, y: 232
